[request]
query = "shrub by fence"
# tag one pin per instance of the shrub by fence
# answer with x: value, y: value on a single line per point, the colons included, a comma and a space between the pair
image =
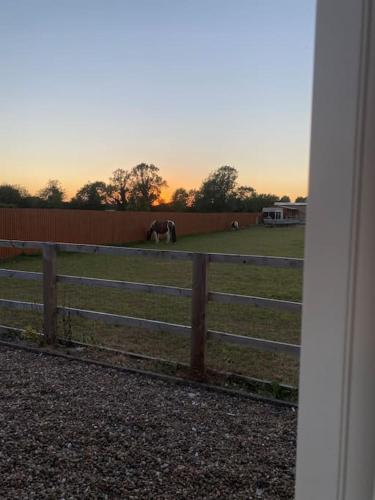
x: 103, y: 228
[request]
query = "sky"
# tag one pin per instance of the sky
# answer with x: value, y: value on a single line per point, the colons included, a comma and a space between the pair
x: 89, y: 86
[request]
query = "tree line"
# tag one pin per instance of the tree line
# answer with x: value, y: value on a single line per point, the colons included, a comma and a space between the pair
x: 140, y: 188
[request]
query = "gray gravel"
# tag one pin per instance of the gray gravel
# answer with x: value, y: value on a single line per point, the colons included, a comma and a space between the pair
x: 71, y: 430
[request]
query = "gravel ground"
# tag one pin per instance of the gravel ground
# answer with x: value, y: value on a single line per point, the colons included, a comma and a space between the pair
x: 71, y: 430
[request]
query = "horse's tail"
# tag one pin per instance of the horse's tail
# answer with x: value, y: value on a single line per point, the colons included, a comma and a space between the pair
x: 172, y: 228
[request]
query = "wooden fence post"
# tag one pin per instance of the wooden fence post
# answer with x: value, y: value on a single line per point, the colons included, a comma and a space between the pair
x: 49, y: 293
x: 198, y: 316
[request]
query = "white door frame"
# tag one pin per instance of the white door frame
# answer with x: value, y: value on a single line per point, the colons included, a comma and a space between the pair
x: 336, y: 427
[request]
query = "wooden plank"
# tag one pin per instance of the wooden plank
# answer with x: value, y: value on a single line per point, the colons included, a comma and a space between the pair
x: 20, y: 244
x: 116, y: 319
x: 233, y: 298
x: 260, y: 344
x: 125, y: 285
x: 20, y: 275
x: 227, y: 298
x: 49, y: 293
x: 11, y: 329
x: 125, y: 251
x: 101, y: 249
x: 21, y: 305
x: 256, y: 260
x: 198, y: 315
x: 16, y: 331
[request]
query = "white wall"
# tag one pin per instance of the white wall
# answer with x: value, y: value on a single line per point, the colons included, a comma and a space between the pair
x: 336, y: 430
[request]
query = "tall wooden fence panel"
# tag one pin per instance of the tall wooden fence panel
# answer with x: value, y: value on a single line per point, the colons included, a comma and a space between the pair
x: 107, y: 227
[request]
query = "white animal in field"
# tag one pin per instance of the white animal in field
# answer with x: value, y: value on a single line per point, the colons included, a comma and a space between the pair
x: 235, y: 225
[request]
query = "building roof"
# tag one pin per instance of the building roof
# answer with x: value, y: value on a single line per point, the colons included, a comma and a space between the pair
x: 271, y: 209
x: 290, y: 204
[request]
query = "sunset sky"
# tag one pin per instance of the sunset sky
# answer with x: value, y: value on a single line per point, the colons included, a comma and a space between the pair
x: 88, y: 86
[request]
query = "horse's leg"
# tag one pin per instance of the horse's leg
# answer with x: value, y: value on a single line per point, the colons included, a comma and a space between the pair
x: 168, y: 236
x: 156, y: 237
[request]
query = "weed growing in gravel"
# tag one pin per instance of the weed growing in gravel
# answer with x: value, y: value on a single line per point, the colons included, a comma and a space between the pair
x: 31, y: 335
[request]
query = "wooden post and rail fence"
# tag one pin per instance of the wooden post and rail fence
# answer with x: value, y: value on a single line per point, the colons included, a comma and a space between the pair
x: 199, y: 293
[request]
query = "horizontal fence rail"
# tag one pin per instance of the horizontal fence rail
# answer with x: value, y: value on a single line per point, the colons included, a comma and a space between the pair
x: 227, y: 298
x: 21, y: 275
x: 125, y: 285
x: 116, y: 319
x: 260, y: 344
x: 234, y: 298
x: 99, y: 249
x: 149, y: 324
x: 198, y: 293
x: 21, y: 305
x: 255, y: 260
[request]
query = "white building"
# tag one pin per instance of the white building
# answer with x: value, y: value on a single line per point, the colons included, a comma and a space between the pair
x: 283, y: 213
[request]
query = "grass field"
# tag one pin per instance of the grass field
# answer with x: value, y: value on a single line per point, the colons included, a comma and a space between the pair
x: 237, y: 319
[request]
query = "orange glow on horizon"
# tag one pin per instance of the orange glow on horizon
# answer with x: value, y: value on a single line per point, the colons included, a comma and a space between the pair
x: 166, y: 194
x: 34, y: 179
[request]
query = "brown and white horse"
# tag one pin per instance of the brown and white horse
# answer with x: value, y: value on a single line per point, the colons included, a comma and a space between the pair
x: 167, y: 227
x: 235, y: 225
